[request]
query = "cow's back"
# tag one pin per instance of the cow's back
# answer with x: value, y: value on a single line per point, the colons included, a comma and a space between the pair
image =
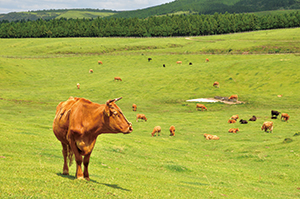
x: 61, y: 120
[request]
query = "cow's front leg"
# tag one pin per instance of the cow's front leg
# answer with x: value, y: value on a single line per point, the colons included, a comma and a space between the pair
x: 65, y: 154
x: 78, y: 159
x: 86, y: 161
x: 79, y: 174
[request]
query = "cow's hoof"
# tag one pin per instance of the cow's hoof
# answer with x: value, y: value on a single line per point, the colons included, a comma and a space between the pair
x: 87, y: 178
x: 65, y: 172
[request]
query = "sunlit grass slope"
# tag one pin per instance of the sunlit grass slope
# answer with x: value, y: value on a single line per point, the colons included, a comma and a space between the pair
x: 37, y: 74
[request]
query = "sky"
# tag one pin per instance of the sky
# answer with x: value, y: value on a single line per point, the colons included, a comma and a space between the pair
x: 7, y: 6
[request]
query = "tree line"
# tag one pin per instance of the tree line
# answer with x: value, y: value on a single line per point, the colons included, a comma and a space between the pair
x: 164, y: 26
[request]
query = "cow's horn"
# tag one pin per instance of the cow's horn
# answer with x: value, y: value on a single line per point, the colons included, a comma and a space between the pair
x: 117, y: 99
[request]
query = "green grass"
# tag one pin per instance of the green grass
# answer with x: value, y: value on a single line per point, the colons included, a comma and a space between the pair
x: 36, y: 74
x: 73, y: 14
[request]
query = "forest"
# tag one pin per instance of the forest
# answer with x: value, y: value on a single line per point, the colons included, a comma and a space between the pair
x: 164, y: 26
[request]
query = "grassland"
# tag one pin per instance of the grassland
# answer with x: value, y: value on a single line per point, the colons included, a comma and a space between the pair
x: 36, y: 74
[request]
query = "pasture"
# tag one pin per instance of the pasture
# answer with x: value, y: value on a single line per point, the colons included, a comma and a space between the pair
x: 37, y: 74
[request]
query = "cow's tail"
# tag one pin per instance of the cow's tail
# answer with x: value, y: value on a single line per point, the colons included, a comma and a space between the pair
x: 70, y: 155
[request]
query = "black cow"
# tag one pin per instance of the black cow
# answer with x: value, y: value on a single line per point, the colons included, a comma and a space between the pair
x: 164, y: 65
x: 149, y: 59
x: 274, y: 114
x: 190, y: 63
x: 243, y: 121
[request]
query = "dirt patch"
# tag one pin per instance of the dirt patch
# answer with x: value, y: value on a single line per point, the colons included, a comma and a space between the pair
x: 224, y: 100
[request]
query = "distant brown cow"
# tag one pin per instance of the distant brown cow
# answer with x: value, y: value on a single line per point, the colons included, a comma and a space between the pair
x: 233, y: 130
x: 216, y: 84
x: 141, y: 116
x: 78, y: 86
x: 266, y: 126
x: 157, y: 130
x: 91, y: 71
x: 134, y: 107
x: 172, y: 131
x: 235, y: 117
x: 206, y: 60
x: 231, y: 121
x: 285, y: 116
x: 210, y: 137
x: 233, y: 97
x: 117, y: 79
x: 100, y: 62
x: 201, y: 106
x: 179, y: 62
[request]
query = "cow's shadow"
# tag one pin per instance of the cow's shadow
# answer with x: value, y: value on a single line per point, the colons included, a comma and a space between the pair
x: 115, y: 186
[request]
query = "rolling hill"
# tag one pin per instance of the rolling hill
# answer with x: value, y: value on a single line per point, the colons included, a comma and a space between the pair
x: 175, y: 7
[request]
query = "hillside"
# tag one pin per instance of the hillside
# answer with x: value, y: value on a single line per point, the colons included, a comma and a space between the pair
x: 175, y: 7
x: 52, y: 14
x: 212, y: 6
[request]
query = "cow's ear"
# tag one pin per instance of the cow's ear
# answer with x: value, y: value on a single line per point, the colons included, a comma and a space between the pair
x: 107, y: 108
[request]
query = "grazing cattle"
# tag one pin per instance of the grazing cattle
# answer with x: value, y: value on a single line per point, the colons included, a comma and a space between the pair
x: 210, y: 137
x: 233, y: 97
x: 117, y: 79
x: 149, y: 59
x: 179, y: 62
x: 134, y: 107
x: 216, y: 84
x: 141, y: 116
x: 172, y: 130
x: 266, y: 126
x: 200, y: 106
x: 164, y: 65
x: 190, y: 63
x: 78, y: 86
x: 243, y: 121
x: 235, y: 117
x: 285, y: 116
x: 274, y: 114
x: 253, y: 118
x: 279, y: 95
x: 206, y: 60
x: 77, y: 124
x: 233, y: 130
x: 157, y: 130
x: 100, y: 62
x: 231, y: 121
x: 91, y: 71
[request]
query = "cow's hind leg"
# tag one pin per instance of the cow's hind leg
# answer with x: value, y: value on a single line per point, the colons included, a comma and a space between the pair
x: 86, y: 162
x: 65, y: 154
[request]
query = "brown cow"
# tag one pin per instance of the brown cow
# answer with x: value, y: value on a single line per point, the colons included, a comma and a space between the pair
x: 172, y: 130
x: 77, y: 124
x: 235, y: 117
x: 266, y: 126
x: 157, y: 130
x: 233, y: 97
x: 78, y: 86
x: 91, y: 71
x: 100, y: 62
x: 233, y: 130
x: 134, y: 107
x: 285, y: 116
x: 231, y: 121
x: 211, y: 137
x: 200, y: 106
x: 216, y: 84
x: 206, y: 60
x: 179, y: 62
x: 117, y: 79
x: 141, y: 116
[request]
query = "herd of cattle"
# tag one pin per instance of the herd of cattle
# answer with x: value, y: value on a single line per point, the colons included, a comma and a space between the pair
x: 78, y: 122
x: 268, y: 125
